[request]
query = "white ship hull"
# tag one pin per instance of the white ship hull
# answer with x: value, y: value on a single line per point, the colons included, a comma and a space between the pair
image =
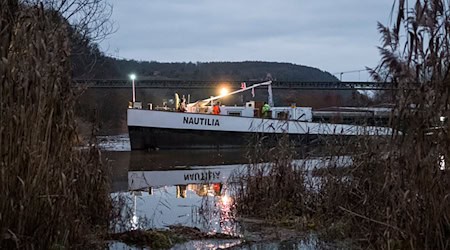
x: 162, y: 129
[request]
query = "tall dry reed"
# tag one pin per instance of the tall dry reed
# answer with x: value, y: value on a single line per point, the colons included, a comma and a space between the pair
x: 52, y: 195
x: 396, y: 195
x: 266, y: 188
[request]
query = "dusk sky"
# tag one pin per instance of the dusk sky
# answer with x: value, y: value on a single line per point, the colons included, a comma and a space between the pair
x: 331, y: 35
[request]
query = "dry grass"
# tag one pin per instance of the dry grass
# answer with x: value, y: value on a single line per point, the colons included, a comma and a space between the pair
x: 390, y: 198
x: 393, y: 196
x: 396, y: 195
x: 52, y: 194
x: 266, y: 189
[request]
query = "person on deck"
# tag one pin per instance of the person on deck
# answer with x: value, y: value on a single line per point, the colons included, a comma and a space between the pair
x: 216, y: 109
x: 265, y: 110
x: 182, y: 107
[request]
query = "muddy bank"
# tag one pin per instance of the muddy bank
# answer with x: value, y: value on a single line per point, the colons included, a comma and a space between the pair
x: 256, y: 233
x: 164, y: 239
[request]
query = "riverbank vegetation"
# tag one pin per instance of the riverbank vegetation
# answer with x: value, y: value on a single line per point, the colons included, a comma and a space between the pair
x: 53, y: 195
x: 396, y: 193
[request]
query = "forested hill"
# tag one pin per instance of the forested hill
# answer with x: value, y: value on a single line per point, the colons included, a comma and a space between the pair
x: 111, y: 68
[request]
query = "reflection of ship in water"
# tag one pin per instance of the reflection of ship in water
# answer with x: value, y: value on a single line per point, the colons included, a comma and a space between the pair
x: 189, y: 188
x: 156, y: 168
x: 188, y: 193
x: 140, y: 170
x: 201, y: 180
x: 201, y: 171
x: 214, y: 189
x: 165, y: 160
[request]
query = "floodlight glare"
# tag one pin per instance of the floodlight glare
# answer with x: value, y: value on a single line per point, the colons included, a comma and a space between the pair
x: 132, y: 76
x: 223, y: 91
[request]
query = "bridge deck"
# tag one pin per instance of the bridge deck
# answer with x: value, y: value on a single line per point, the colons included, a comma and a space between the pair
x: 193, y: 84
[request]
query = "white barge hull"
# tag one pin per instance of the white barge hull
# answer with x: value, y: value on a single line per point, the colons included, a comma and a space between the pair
x: 161, y: 129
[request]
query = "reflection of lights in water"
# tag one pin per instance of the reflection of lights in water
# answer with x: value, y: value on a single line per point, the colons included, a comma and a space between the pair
x: 441, y: 162
x: 134, y: 222
x: 226, y: 200
x: 226, y: 219
x: 202, y: 189
x: 181, y: 191
x: 206, y: 206
x: 134, y: 219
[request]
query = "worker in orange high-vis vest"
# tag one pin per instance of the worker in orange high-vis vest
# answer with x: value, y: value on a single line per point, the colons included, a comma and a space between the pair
x: 216, y: 109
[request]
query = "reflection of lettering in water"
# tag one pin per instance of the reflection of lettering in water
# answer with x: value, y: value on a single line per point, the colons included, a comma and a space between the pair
x: 204, y: 176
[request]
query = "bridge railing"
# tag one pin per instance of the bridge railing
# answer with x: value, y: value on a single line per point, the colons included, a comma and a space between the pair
x: 198, y: 84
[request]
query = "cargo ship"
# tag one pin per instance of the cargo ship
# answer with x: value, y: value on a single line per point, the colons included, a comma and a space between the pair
x: 202, y: 125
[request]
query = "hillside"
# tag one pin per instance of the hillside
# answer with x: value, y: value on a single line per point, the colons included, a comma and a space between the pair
x: 89, y: 63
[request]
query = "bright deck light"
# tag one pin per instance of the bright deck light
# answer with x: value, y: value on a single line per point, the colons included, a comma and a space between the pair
x: 223, y: 91
x: 132, y: 76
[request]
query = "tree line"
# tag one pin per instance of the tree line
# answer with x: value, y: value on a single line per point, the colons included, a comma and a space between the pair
x: 90, y: 63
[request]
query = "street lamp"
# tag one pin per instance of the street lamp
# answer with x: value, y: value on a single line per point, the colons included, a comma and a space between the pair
x: 133, y: 77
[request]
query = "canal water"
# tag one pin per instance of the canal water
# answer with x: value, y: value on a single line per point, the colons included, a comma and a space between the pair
x: 160, y: 189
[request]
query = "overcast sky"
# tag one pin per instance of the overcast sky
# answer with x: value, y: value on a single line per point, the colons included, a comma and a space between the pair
x: 332, y: 35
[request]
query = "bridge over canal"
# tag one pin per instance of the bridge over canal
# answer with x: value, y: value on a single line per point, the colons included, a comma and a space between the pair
x: 199, y: 84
